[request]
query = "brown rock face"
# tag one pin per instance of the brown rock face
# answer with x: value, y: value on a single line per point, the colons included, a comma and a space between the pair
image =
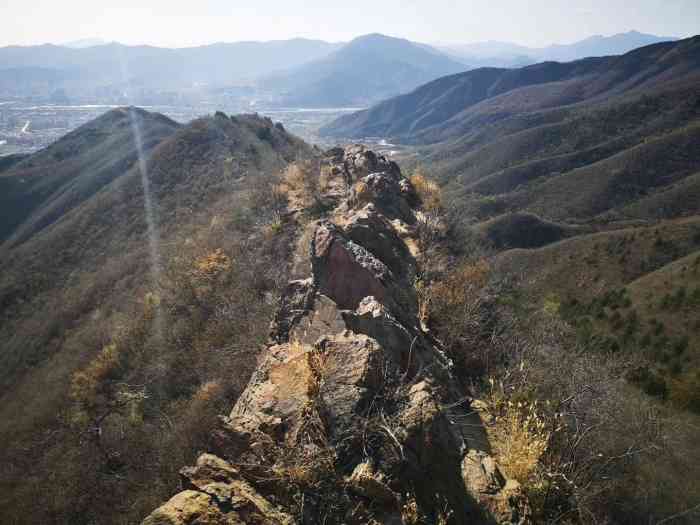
x: 346, y: 272
x: 345, y: 421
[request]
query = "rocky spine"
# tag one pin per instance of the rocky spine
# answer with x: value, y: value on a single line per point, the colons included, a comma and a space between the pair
x: 353, y: 414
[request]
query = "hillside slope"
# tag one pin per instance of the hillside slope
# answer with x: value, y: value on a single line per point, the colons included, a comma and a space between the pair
x: 188, y: 172
x: 173, y: 275
x: 452, y: 106
x: 39, y: 190
x: 635, y: 290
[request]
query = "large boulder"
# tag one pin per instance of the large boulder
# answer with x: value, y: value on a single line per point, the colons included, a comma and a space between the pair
x: 353, y: 368
x: 345, y: 271
x: 360, y: 161
x: 372, y: 230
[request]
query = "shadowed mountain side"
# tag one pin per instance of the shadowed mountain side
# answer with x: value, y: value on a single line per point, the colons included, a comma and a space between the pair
x: 451, y: 106
x: 524, y: 230
x: 46, y: 186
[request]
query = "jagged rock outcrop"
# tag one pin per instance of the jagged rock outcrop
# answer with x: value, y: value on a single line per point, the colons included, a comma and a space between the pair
x: 353, y: 415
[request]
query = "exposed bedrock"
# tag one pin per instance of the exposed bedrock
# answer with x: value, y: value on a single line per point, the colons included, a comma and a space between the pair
x: 353, y: 414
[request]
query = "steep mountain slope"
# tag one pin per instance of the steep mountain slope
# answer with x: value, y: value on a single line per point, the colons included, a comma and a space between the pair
x: 497, y: 158
x: 198, y: 164
x: 366, y: 70
x: 600, y: 163
x: 452, y: 106
x: 46, y: 186
x: 635, y: 290
x: 134, y: 269
x: 620, y: 179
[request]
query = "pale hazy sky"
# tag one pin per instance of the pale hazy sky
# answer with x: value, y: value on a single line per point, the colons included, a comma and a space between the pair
x: 178, y: 23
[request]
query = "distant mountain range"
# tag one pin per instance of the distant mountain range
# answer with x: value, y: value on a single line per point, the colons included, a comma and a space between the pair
x: 295, y: 72
x: 292, y: 72
x: 85, y: 42
x: 508, y: 54
x: 105, y: 70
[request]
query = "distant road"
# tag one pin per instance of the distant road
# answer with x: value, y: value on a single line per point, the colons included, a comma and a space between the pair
x: 25, y: 129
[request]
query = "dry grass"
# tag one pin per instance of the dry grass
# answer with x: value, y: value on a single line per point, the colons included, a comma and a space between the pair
x: 210, y: 265
x: 519, y: 436
x: 301, y: 184
x: 453, y: 307
x: 452, y: 291
x: 361, y: 194
x: 428, y: 191
x: 453, y: 300
x: 86, y: 382
x: 409, y: 512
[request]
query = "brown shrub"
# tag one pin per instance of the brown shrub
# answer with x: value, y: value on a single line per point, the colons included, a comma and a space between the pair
x: 453, y: 306
x: 86, y: 382
x: 429, y: 192
x: 519, y: 435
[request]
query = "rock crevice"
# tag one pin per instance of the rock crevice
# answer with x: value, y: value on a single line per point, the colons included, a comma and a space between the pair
x: 345, y: 419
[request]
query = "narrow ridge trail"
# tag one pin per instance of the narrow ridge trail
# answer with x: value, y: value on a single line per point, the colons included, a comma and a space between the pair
x: 353, y: 414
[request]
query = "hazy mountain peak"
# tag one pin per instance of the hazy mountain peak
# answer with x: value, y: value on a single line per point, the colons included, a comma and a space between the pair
x: 85, y: 42
x: 508, y: 54
x: 367, y: 69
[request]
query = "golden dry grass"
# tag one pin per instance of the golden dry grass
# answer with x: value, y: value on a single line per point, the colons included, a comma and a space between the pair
x: 210, y: 265
x: 86, y: 382
x: 428, y: 191
x: 519, y: 437
x: 301, y: 184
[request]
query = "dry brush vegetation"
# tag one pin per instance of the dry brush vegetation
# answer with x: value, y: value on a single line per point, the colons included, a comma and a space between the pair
x: 560, y: 413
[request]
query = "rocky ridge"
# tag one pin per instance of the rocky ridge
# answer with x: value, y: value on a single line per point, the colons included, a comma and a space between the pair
x: 353, y: 414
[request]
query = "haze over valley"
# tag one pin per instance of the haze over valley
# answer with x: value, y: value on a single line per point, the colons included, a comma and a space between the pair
x: 302, y: 83
x: 397, y: 263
